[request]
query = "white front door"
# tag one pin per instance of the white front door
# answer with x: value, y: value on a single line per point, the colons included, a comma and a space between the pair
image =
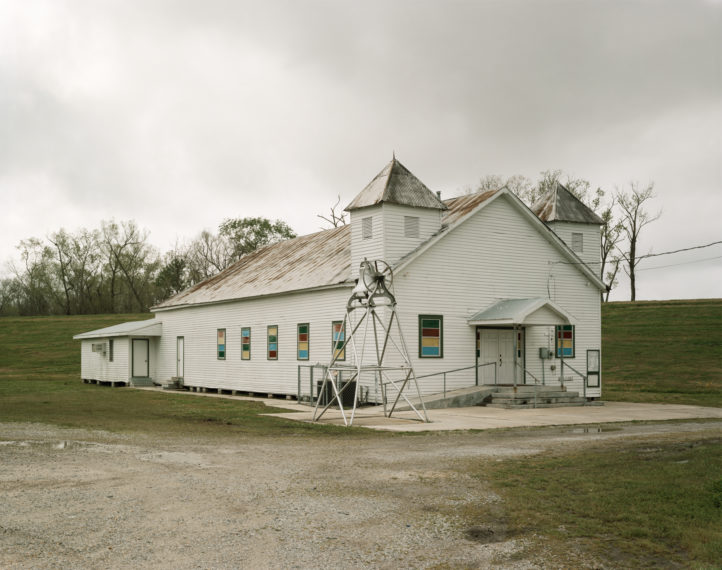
x: 140, y: 358
x: 497, y: 345
x: 179, y: 356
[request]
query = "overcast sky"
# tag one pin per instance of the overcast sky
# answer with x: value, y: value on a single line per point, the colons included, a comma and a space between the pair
x: 179, y: 114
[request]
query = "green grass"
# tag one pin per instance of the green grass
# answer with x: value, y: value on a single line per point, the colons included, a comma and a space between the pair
x: 40, y: 382
x: 631, y: 505
x: 663, y: 351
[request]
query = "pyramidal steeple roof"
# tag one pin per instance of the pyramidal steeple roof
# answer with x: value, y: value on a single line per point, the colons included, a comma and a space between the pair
x: 560, y: 205
x: 395, y: 184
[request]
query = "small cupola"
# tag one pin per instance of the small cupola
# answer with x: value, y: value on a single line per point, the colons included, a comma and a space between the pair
x: 573, y: 221
x: 392, y: 215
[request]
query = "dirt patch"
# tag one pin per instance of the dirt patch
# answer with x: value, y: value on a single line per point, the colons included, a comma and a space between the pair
x: 78, y: 498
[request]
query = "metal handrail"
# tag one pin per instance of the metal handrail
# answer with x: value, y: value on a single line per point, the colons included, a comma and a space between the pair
x: 584, y: 378
x: 445, y: 372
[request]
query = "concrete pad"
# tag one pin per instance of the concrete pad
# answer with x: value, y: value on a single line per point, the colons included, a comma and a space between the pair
x: 483, y: 418
x: 479, y: 417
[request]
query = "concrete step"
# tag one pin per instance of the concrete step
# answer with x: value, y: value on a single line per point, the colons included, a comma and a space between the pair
x: 141, y: 382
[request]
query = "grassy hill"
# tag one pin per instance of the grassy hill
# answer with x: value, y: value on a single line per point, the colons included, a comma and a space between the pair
x: 663, y: 351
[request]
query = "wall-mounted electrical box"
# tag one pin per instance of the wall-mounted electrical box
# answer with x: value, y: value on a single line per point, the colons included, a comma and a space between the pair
x: 545, y: 353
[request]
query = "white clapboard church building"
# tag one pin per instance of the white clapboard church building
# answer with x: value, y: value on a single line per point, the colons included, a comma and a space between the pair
x: 509, y: 294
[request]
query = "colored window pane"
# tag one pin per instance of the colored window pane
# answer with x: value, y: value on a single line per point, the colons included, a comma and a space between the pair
x: 430, y: 336
x: 272, y: 343
x: 246, y: 343
x: 338, y: 343
x: 302, y: 341
x: 565, y: 341
x: 221, y: 344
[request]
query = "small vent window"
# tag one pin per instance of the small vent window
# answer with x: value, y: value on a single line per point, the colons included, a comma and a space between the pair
x: 366, y: 228
x: 411, y: 226
x: 577, y: 242
x: 110, y: 350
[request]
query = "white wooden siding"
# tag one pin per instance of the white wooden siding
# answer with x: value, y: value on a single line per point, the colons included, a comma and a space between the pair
x: 366, y: 248
x: 96, y: 365
x: 591, y: 237
x: 396, y: 243
x: 199, y: 325
x: 496, y: 254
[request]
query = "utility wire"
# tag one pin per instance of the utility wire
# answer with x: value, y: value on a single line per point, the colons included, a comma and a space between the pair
x: 678, y: 250
x: 682, y: 263
x: 638, y: 258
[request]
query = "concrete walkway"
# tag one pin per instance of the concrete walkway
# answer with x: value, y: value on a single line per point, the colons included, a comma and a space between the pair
x: 479, y: 417
x: 494, y: 418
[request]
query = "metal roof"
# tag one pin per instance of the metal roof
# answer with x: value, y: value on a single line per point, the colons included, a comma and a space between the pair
x: 560, y: 205
x: 317, y: 260
x: 395, y: 184
x: 150, y: 327
x: 463, y: 205
x: 535, y: 311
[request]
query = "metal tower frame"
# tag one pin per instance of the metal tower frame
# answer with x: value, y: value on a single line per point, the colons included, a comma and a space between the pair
x: 373, y: 292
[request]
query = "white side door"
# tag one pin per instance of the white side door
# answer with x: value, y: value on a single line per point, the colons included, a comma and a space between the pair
x: 140, y: 357
x: 180, y: 349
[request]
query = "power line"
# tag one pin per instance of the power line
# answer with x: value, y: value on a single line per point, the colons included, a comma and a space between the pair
x: 682, y: 263
x: 678, y: 250
x: 642, y: 256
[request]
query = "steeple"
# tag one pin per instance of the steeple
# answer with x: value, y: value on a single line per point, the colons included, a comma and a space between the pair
x: 395, y: 184
x: 560, y: 205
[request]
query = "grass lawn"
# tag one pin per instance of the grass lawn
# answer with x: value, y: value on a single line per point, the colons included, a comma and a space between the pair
x: 631, y: 505
x: 40, y: 382
x: 663, y: 351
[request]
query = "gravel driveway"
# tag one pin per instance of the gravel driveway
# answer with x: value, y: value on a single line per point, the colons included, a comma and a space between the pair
x: 89, y: 499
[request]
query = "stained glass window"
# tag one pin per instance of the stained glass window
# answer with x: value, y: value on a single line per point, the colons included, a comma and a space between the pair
x: 221, y: 344
x: 431, y: 336
x: 245, y: 343
x: 338, y: 335
x: 303, y: 340
x: 565, y: 341
x: 273, y: 342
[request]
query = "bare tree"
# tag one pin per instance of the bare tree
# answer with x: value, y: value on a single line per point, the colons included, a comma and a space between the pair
x: 611, y: 235
x: 634, y: 218
x: 335, y: 219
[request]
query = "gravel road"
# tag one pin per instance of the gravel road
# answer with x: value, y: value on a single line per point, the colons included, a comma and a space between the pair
x: 90, y: 499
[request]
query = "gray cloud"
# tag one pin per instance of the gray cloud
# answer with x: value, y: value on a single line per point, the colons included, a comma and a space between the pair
x: 181, y: 113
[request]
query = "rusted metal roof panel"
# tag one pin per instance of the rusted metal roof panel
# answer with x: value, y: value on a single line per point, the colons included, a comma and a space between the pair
x: 306, y: 262
x: 560, y: 205
x: 317, y: 260
x: 464, y: 205
x: 395, y: 184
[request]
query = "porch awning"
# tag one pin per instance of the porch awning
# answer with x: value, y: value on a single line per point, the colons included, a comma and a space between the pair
x: 509, y: 312
x: 151, y: 327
